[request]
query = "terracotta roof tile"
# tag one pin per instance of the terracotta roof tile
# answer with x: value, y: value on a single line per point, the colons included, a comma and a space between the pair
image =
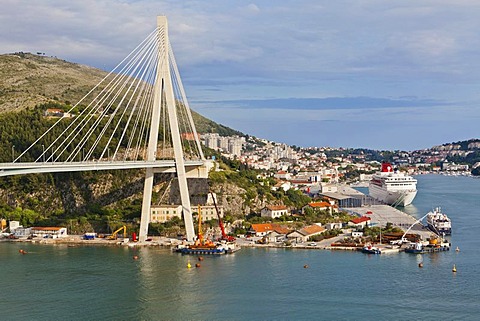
x: 281, y: 230
x: 276, y: 207
x: 360, y: 219
x: 320, y: 204
x: 268, y: 227
x: 261, y: 228
x: 312, y: 229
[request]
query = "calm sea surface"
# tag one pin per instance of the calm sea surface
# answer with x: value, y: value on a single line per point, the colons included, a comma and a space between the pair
x: 105, y: 283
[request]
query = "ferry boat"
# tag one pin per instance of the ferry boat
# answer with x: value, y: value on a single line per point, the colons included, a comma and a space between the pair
x: 392, y: 187
x: 439, y: 222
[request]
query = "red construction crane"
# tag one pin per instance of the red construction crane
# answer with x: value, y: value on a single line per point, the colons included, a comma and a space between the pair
x: 224, y: 237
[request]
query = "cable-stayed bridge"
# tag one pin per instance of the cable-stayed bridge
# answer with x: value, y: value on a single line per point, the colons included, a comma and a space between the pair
x: 160, y: 166
x: 136, y: 117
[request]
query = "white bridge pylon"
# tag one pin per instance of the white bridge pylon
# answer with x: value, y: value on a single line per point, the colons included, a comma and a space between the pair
x: 164, y: 95
x: 136, y: 117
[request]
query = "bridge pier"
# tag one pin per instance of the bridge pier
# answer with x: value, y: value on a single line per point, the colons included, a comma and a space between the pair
x: 146, y: 205
x: 165, y: 97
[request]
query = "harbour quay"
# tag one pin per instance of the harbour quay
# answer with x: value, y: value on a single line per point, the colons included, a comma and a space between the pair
x: 380, y: 215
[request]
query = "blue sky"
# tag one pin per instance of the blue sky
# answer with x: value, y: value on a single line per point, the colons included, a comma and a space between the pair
x: 376, y: 74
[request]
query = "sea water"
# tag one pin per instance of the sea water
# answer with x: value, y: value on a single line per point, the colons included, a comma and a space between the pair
x: 96, y: 282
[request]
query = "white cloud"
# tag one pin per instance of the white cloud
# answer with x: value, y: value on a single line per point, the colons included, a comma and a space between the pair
x: 289, y: 35
x: 253, y: 8
x: 430, y: 44
x: 270, y: 48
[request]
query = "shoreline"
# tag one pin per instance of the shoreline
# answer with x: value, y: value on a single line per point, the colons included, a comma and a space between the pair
x: 379, y: 215
x: 166, y: 243
x: 156, y: 241
x: 77, y: 240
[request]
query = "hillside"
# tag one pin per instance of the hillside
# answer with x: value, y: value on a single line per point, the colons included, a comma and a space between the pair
x: 27, y: 80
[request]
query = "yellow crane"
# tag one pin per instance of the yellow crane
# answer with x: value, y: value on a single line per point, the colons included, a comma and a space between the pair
x: 200, y: 233
x: 114, y: 234
x: 201, y: 242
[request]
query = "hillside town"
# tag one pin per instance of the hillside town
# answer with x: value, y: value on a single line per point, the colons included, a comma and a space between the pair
x: 295, y: 166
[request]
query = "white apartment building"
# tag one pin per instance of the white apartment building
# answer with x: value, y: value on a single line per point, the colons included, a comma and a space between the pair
x: 274, y: 211
x: 211, y: 140
x: 235, y: 147
x: 223, y: 143
x: 228, y: 144
x: 164, y: 213
x: 209, y: 213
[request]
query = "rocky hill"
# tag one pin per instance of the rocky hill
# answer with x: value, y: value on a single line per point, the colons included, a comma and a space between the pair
x: 27, y: 80
x: 471, y: 144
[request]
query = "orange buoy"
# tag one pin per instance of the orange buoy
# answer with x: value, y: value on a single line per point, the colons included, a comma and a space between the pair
x: 305, y: 266
x: 420, y: 265
x: 135, y: 257
x: 197, y: 265
x: 200, y: 258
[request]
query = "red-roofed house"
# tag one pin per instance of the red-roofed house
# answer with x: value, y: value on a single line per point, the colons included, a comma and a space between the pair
x: 268, y: 228
x: 279, y: 234
x: 261, y: 229
x: 359, y: 221
x: 283, y: 175
x: 321, y: 206
x: 305, y: 233
x: 274, y: 211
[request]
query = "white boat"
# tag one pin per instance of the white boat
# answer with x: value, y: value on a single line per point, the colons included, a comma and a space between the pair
x: 369, y: 249
x: 392, y: 187
x: 439, y: 222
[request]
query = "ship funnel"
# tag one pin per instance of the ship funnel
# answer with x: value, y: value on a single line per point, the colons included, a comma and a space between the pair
x: 387, y: 167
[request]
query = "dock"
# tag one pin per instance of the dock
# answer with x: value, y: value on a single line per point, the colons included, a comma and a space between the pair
x: 382, y: 214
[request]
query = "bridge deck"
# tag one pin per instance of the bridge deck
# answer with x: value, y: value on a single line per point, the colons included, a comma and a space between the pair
x: 7, y: 169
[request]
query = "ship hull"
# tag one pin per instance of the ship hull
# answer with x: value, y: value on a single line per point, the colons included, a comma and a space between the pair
x: 228, y: 248
x: 400, y: 197
x: 197, y: 251
x: 427, y: 249
x: 439, y: 230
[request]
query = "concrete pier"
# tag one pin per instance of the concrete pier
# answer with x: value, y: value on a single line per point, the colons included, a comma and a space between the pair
x: 383, y: 214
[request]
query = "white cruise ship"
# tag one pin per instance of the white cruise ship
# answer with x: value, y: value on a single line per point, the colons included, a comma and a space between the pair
x: 392, y: 187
